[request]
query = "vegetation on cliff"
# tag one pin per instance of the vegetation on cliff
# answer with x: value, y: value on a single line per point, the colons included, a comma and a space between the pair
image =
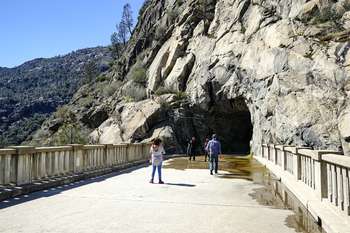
x: 32, y: 91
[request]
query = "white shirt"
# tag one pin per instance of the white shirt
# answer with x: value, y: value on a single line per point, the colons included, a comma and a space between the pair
x: 157, y: 155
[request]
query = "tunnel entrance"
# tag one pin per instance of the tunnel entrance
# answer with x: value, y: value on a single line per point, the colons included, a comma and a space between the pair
x: 229, y: 119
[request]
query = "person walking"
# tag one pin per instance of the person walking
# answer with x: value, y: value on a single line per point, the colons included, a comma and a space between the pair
x: 206, y: 152
x: 214, y: 149
x: 157, y: 151
x: 191, y: 148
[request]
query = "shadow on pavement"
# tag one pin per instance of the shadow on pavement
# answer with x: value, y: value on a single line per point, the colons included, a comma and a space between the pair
x: 181, y: 184
x: 57, y: 190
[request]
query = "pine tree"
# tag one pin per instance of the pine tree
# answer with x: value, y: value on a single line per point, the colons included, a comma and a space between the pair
x: 127, y: 19
x: 90, y: 71
x: 123, y: 31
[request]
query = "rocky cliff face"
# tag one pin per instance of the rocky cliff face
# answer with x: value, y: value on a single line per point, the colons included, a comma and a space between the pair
x: 29, y: 93
x: 261, y: 70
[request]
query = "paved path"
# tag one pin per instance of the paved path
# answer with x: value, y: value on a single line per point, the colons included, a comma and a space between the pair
x: 191, y: 201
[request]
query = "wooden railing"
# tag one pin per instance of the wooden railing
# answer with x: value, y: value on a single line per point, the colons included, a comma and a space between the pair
x: 24, y: 165
x: 325, y: 173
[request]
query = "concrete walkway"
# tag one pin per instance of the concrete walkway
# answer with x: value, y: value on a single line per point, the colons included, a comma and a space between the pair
x: 190, y: 201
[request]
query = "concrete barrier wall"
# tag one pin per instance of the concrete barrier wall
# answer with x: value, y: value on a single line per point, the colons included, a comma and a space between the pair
x: 24, y: 165
x: 324, y: 173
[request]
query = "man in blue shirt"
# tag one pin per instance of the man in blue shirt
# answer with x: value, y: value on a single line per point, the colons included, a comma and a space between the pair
x: 214, y: 149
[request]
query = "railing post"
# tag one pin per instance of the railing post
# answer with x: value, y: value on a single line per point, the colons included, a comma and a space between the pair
x: 268, y: 152
x: 262, y: 150
x: 78, y: 154
x: 284, y: 159
x: 265, y: 153
x: 271, y: 152
x: 127, y: 154
x: 68, y: 156
x: 296, y: 163
x: 6, y: 158
x: 111, y: 155
x: 118, y: 151
x: 275, y: 153
x: 43, y: 169
x: 24, y: 164
x: 105, y: 155
x: 321, y: 179
x: 320, y: 175
x: 281, y: 152
x: 145, y: 149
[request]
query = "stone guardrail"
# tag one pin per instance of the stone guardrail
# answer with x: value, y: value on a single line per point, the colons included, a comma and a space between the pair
x: 325, y: 173
x: 24, y: 165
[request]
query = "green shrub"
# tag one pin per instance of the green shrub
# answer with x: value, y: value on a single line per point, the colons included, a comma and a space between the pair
x: 163, y: 90
x: 160, y: 32
x: 63, y: 112
x: 180, y: 96
x: 128, y: 99
x: 70, y: 133
x: 243, y: 29
x: 179, y: 3
x: 111, y: 63
x: 101, y: 78
x: 164, y: 105
x: 86, y: 101
x: 138, y: 75
x: 346, y: 6
x: 325, y: 15
x: 172, y: 15
x: 135, y: 91
x: 109, y: 90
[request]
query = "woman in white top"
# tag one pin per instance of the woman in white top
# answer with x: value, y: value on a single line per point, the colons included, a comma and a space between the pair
x: 157, y: 152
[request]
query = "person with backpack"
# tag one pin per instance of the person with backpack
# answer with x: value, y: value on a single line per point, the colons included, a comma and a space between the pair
x: 214, y: 149
x: 157, y: 151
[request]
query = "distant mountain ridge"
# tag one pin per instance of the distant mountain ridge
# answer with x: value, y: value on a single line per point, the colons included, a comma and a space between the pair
x: 32, y: 91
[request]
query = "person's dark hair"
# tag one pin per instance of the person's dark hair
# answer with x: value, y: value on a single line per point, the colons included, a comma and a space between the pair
x: 157, y: 141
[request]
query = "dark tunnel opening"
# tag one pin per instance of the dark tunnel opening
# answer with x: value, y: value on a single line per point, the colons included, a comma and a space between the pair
x: 229, y: 119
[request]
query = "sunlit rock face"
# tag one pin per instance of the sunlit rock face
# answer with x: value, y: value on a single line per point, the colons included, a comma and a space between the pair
x: 267, y: 71
x: 254, y: 54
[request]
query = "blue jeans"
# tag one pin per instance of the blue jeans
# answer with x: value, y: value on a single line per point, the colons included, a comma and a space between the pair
x: 214, y: 163
x: 159, y: 168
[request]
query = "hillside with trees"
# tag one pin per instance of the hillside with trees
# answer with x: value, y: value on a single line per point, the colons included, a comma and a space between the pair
x: 29, y: 93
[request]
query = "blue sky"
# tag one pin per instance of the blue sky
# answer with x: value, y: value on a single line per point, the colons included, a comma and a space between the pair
x: 45, y: 28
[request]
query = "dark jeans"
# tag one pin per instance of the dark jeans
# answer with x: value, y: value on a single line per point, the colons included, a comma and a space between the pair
x: 214, y: 163
x: 206, y: 155
x: 192, y: 155
x: 159, y: 168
